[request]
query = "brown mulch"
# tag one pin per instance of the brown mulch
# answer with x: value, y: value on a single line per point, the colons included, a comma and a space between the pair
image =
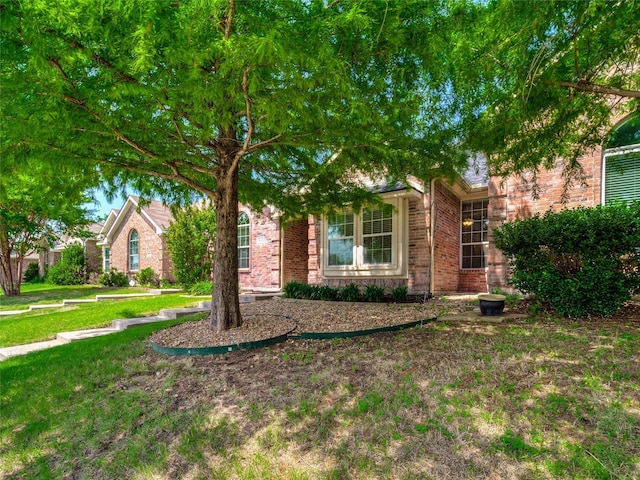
x: 271, y: 318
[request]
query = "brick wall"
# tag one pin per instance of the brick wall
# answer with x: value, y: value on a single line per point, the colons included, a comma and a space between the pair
x: 295, y: 251
x: 447, y: 240
x: 151, y: 247
x: 419, y: 253
x: 512, y: 198
x: 264, y: 252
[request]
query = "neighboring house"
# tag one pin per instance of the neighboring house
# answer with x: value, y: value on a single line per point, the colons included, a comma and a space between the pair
x: 432, y: 237
x: 50, y: 256
x: 133, y: 238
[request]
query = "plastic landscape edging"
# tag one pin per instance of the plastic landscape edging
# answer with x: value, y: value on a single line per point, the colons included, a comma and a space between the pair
x: 358, y: 333
x: 202, y: 351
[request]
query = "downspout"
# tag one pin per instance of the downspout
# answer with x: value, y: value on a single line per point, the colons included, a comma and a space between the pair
x: 281, y: 239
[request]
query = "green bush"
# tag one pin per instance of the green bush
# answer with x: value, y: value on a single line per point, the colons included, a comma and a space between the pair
x: 147, y: 278
x: 71, y: 269
x: 201, y: 288
x: 32, y: 273
x: 581, y: 262
x: 400, y: 294
x: 190, y: 239
x: 295, y: 289
x: 350, y: 293
x: 373, y: 293
x: 328, y: 293
x: 113, y: 278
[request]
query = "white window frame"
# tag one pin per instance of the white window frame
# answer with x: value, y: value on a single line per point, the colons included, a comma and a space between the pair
x: 399, y: 241
x: 134, y: 255
x: 246, y: 247
x: 106, y: 258
x: 613, y: 152
x: 483, y: 243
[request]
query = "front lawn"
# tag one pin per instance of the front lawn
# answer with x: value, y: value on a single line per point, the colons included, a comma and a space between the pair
x: 536, y: 399
x: 39, y: 325
x: 43, y: 293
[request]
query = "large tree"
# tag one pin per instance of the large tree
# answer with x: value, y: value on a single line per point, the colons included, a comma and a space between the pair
x: 284, y: 101
x: 38, y: 203
x: 543, y: 80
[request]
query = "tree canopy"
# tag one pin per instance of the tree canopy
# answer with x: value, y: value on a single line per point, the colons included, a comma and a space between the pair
x: 279, y: 101
x: 544, y: 80
x: 38, y: 202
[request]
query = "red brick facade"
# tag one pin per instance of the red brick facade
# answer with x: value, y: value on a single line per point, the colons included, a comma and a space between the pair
x: 152, y: 249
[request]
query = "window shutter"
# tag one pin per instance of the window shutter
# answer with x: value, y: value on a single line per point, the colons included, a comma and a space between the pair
x: 622, y: 178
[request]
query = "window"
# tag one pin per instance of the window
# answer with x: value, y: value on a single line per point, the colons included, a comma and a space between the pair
x: 366, y: 243
x: 377, y: 233
x: 134, y: 257
x: 106, y: 253
x: 340, y: 235
x: 622, y: 177
x: 474, y: 229
x: 243, y: 241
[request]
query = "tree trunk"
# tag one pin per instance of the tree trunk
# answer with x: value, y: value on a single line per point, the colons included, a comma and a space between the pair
x: 10, y: 285
x: 225, y: 305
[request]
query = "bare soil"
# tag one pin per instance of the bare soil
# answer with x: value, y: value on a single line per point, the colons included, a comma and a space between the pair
x: 271, y: 318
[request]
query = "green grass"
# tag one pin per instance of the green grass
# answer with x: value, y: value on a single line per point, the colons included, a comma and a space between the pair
x: 43, y: 293
x: 40, y: 325
x: 527, y: 399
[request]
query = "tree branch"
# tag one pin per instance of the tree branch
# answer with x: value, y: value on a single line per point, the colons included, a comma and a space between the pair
x: 592, y: 88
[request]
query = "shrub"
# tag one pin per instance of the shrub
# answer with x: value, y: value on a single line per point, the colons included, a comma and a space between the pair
x: 350, y: 293
x: 31, y: 273
x: 328, y: 293
x: 113, y: 278
x: 190, y: 240
x: 581, y: 262
x: 313, y: 292
x: 70, y: 270
x: 373, y: 293
x: 147, y: 277
x: 201, y: 288
x: 295, y: 289
x: 400, y: 294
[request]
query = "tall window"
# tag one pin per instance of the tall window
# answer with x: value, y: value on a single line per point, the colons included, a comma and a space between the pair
x: 134, y: 257
x: 475, y: 227
x: 106, y: 251
x: 340, y: 239
x: 243, y: 241
x: 377, y: 233
x: 622, y: 177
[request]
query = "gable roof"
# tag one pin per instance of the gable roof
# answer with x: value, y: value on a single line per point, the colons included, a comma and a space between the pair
x: 155, y: 213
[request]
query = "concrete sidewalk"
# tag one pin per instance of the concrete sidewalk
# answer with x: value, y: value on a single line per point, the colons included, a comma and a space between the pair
x: 119, y: 325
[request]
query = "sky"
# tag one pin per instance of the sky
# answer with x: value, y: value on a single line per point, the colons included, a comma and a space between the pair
x: 103, y: 206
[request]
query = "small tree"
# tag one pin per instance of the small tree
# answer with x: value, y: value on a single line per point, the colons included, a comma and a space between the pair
x: 71, y: 269
x: 190, y: 239
x: 582, y: 262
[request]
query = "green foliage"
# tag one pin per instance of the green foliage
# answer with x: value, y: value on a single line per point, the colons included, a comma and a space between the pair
x: 329, y: 293
x: 201, y: 288
x: 295, y: 289
x: 113, y: 278
x: 147, y: 278
x: 400, y: 294
x: 535, y: 80
x: 32, y: 273
x: 190, y: 240
x: 373, y: 293
x: 582, y: 262
x: 71, y: 269
x: 350, y: 293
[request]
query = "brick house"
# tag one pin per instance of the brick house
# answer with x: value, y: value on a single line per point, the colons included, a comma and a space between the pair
x: 132, y: 239
x: 429, y: 237
x: 51, y: 255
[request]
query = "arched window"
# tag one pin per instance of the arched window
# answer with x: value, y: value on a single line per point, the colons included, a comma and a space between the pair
x: 243, y: 241
x: 134, y: 257
x: 621, y: 162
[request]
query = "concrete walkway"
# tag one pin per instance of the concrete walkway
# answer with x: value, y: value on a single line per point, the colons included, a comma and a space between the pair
x: 117, y: 325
